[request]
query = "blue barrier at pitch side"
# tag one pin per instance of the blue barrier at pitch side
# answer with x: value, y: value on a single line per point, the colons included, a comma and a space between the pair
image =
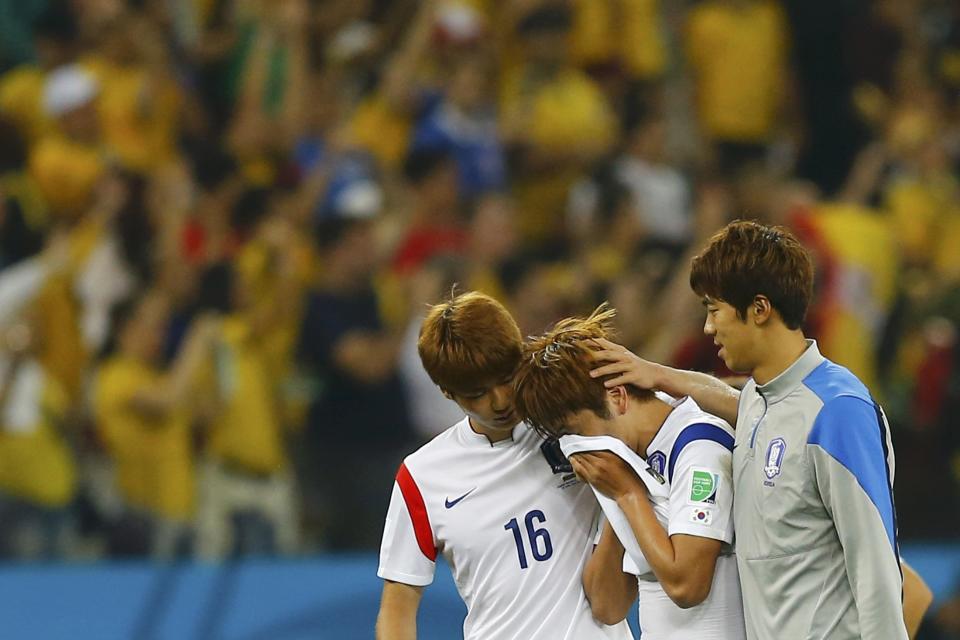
x: 327, y: 597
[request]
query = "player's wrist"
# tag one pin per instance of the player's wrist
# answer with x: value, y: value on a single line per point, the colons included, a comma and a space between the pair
x: 630, y: 495
x: 674, y: 382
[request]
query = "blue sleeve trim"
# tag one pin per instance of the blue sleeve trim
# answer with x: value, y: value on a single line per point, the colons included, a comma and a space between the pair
x: 846, y: 429
x: 699, y: 431
x: 830, y: 380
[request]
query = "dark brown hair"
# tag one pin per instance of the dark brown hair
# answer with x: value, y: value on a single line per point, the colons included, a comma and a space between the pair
x: 469, y: 342
x: 746, y: 259
x: 554, y: 380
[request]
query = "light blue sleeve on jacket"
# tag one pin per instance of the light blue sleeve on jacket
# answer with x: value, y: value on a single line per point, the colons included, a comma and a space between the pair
x: 852, y: 464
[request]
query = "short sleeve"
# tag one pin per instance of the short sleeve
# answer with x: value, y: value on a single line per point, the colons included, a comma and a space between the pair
x: 407, y: 552
x: 701, y: 492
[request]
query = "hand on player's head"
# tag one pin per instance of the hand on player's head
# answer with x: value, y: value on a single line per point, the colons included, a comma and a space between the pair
x: 621, y: 366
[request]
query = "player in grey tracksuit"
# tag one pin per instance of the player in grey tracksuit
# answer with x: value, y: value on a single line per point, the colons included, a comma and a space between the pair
x: 813, y: 508
x: 816, y: 534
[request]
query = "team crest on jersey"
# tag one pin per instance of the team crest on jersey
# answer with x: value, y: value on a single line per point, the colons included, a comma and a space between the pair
x: 658, y: 461
x: 774, y: 459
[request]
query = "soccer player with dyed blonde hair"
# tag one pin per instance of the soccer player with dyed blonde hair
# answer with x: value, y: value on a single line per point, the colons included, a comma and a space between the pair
x: 661, y: 468
x: 501, y: 505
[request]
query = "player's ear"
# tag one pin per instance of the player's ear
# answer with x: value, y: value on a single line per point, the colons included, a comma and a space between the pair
x: 761, y: 309
x: 618, y: 399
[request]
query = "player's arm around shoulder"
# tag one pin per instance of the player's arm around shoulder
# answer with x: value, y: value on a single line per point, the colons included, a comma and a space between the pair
x: 609, y: 590
x: 397, y: 619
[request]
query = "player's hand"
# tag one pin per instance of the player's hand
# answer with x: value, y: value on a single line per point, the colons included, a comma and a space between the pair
x: 626, y: 366
x: 607, y: 473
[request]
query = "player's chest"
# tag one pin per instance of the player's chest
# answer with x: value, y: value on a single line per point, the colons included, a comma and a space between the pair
x: 769, y: 451
x: 519, y: 508
x: 774, y: 483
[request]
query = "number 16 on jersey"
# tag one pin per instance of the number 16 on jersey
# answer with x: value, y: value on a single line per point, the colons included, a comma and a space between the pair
x: 536, y: 538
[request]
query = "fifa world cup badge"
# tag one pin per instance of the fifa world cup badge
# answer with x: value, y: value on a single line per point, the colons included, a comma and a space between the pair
x: 774, y: 459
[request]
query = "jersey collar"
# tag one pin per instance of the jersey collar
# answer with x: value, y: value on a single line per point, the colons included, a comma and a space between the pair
x: 682, y: 406
x: 793, y: 376
x: 471, y: 438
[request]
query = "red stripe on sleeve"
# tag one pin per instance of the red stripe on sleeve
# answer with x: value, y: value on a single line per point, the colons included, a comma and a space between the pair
x: 418, y: 512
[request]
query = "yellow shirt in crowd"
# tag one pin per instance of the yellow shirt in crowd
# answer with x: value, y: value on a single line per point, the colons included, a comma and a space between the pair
x: 738, y: 54
x: 568, y: 112
x: 138, y: 114
x: 382, y: 130
x: 624, y: 31
x: 863, y: 246
x: 63, y: 354
x: 21, y: 98
x: 247, y: 431
x: 35, y: 462
x: 927, y: 220
x: 154, y: 464
x: 66, y: 172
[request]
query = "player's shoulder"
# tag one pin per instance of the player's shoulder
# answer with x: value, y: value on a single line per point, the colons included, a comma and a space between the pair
x: 831, y: 381
x: 689, y: 435
x: 837, y: 401
x: 848, y: 420
x: 443, y: 445
x: 689, y: 421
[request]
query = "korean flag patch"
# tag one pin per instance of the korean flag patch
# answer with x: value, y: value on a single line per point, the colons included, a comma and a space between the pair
x: 701, y: 516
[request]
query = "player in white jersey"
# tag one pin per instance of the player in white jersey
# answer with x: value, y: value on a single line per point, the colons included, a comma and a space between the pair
x: 662, y: 472
x: 503, y: 508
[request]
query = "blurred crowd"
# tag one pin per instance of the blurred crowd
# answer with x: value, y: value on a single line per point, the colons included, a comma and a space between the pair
x: 221, y: 222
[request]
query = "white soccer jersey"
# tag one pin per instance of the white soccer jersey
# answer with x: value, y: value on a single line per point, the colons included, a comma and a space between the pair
x: 691, y: 494
x: 515, y: 529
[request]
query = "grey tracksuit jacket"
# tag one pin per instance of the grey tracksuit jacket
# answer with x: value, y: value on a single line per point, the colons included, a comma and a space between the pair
x: 816, y: 535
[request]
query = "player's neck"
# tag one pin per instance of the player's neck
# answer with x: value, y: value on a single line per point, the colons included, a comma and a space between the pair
x: 779, y: 353
x: 493, y: 435
x: 646, y: 421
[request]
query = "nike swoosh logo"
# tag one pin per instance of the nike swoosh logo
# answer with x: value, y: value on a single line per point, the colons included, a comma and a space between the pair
x: 449, y: 504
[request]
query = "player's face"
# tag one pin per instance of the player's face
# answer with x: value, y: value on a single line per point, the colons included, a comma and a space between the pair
x: 731, y: 334
x: 490, y: 406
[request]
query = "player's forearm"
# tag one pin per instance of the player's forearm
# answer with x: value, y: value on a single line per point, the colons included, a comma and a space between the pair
x: 916, y: 599
x: 396, y: 628
x: 397, y: 619
x: 676, y: 579
x: 712, y: 394
x: 609, y: 590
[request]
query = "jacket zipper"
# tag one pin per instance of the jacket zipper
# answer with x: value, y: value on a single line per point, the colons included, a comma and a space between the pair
x: 756, y: 425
